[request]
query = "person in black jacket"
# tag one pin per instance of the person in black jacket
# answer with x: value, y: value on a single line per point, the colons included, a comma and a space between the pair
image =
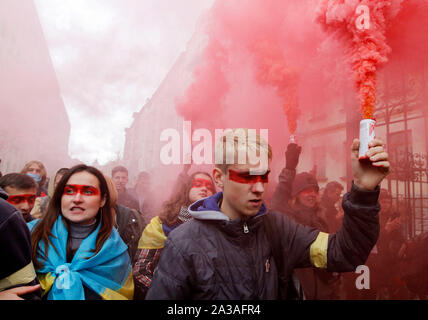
x: 17, y: 275
x: 129, y: 222
x: 119, y: 175
x: 224, y: 252
x: 297, y: 197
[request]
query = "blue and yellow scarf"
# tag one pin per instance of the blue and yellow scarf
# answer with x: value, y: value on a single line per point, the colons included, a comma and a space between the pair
x: 108, y: 273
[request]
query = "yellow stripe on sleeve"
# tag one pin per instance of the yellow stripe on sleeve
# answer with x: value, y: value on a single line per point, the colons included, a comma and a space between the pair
x: 318, y: 251
x: 22, y: 276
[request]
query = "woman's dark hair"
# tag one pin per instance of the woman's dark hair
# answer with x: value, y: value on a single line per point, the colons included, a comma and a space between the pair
x: 43, y: 229
x: 180, y: 197
x: 62, y: 171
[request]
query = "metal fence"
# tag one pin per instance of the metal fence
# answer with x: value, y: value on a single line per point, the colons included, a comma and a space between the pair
x: 403, y: 122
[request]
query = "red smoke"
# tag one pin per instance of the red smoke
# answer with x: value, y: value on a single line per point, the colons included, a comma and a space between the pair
x: 262, y: 56
x: 208, y: 88
x: 271, y: 69
x: 368, y: 48
x: 245, y: 38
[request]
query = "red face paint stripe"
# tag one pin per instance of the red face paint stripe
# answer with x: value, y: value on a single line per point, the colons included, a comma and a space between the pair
x: 246, y: 177
x: 199, y: 183
x: 19, y: 198
x: 72, y: 189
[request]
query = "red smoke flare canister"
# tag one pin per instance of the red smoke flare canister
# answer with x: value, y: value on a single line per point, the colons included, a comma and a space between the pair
x: 367, y: 134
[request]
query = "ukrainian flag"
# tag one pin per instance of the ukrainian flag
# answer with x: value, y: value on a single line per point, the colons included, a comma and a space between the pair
x: 108, y: 273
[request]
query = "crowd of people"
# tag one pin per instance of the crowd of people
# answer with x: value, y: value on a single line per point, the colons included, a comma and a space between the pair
x: 83, y: 235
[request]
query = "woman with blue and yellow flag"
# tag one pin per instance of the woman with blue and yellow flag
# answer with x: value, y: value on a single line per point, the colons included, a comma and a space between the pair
x: 77, y: 253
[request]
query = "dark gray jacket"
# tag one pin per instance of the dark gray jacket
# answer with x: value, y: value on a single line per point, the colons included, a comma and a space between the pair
x: 211, y: 257
x: 15, y: 250
x: 130, y: 225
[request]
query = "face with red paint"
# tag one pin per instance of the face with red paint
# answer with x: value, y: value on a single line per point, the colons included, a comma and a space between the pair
x: 308, y: 197
x: 243, y: 192
x: 22, y: 199
x: 81, y: 199
x: 202, y: 187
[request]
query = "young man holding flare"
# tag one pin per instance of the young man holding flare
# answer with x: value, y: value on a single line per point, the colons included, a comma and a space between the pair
x: 225, y: 252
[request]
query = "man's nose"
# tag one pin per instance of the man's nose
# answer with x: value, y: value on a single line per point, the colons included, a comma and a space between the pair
x: 24, y: 206
x: 258, y: 187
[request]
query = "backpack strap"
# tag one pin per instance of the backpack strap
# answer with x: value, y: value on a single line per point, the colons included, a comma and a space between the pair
x: 289, y: 287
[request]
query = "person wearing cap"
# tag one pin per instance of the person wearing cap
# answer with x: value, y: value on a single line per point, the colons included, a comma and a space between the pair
x: 330, y: 198
x: 297, y: 196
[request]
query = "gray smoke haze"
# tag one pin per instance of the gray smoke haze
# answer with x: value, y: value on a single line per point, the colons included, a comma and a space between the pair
x: 109, y: 57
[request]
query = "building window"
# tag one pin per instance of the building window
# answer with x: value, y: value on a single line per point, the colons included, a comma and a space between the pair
x: 319, y: 162
x: 400, y: 151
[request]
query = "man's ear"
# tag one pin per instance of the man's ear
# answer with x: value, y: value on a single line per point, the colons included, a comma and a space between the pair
x: 219, y: 177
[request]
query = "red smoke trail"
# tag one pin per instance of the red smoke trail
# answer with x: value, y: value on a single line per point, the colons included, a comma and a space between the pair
x: 367, y: 45
x: 272, y: 70
x: 246, y: 29
x: 208, y: 88
x: 228, y: 72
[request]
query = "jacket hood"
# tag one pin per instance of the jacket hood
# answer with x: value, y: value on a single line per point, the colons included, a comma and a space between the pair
x: 3, y: 194
x: 208, y: 209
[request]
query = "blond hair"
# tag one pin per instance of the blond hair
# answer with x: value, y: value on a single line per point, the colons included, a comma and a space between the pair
x: 235, y: 146
x: 42, y: 169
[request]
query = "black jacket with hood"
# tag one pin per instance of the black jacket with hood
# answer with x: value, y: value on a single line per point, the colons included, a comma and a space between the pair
x: 318, y: 284
x: 16, y: 268
x: 212, y: 257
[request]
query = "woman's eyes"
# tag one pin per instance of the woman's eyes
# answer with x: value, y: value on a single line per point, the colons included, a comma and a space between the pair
x: 85, y: 191
x: 199, y: 184
x: 88, y: 191
x: 70, y: 191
